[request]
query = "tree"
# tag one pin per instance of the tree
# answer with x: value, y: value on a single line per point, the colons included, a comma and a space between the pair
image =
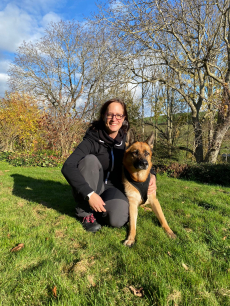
x: 60, y: 133
x: 19, y: 121
x: 56, y: 68
x: 64, y: 68
x: 190, y: 39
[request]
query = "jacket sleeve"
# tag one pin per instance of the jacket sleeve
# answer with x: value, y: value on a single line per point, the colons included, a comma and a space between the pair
x: 72, y: 173
x: 152, y: 171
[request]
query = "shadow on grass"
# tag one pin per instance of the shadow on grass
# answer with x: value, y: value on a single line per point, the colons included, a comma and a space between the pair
x: 51, y: 194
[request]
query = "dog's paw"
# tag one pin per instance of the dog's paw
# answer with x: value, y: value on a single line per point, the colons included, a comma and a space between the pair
x: 129, y: 242
x: 171, y: 235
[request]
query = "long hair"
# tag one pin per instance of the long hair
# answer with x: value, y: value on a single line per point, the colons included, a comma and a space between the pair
x: 99, y: 124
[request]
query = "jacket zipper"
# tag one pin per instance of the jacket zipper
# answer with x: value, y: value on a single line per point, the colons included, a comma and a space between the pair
x: 107, y: 176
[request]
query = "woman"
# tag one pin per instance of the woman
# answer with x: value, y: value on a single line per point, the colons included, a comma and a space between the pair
x: 94, y: 170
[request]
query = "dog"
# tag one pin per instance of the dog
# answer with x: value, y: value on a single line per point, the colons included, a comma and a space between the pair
x: 135, y: 176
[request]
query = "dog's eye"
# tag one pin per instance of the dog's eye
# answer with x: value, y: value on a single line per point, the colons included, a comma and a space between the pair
x: 135, y: 153
x: 147, y: 153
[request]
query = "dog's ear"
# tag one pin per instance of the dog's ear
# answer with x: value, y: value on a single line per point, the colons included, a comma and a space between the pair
x: 130, y: 138
x: 150, y: 140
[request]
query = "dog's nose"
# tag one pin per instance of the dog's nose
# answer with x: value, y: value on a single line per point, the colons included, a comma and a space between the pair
x: 144, y: 163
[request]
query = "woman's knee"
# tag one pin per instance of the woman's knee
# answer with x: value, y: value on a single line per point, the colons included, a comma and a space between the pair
x: 119, y: 215
x: 90, y: 161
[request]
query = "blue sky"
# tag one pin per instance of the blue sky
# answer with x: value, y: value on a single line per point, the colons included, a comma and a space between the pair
x: 26, y: 19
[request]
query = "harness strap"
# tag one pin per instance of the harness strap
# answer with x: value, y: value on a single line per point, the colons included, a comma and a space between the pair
x: 142, y: 187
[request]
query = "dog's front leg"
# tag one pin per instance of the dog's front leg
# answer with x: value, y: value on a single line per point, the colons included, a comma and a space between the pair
x: 133, y: 212
x: 156, y: 207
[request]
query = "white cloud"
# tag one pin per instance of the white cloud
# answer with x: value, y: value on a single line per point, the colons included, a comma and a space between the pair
x: 117, y: 5
x: 50, y: 17
x: 15, y: 26
x: 118, y: 8
x: 18, y: 24
x: 38, y: 7
x: 3, y: 84
x: 4, y: 65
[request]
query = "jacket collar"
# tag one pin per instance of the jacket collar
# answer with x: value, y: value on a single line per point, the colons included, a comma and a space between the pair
x: 105, y: 138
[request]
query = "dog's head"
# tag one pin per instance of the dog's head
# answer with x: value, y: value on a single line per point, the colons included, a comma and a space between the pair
x: 138, y: 154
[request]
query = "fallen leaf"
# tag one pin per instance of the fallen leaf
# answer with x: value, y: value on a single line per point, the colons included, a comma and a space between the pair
x: 8, y: 235
x: 188, y: 230
x: 7, y: 170
x: 91, y: 280
x: 169, y: 254
x: 224, y: 237
x: 186, y: 187
x: 182, y: 202
x: 137, y: 292
x: 18, y: 247
x: 54, y: 291
x: 185, y: 267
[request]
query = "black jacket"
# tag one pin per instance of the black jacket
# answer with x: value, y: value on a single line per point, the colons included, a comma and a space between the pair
x: 109, y: 152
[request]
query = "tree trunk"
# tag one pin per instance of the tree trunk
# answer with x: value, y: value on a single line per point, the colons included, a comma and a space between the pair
x: 219, y: 134
x: 198, y: 152
x: 211, y: 118
x: 142, y: 107
x: 169, y: 122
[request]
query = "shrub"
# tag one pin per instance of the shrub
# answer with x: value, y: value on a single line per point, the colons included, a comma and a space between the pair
x: 205, y: 173
x: 38, y: 159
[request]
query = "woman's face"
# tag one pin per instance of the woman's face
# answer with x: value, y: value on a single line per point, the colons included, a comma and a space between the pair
x: 112, y: 124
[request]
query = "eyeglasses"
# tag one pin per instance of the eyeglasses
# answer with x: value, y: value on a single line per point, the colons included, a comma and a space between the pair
x: 117, y: 116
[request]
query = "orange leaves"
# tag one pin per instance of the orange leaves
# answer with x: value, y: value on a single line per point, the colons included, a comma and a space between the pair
x: 17, y: 248
x: 19, y: 115
x: 137, y: 292
x: 54, y: 291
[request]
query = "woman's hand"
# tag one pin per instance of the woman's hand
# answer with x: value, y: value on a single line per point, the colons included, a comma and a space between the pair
x: 96, y: 203
x: 152, y: 185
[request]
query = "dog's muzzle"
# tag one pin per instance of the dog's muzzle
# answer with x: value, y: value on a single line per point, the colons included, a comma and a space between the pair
x: 141, y: 164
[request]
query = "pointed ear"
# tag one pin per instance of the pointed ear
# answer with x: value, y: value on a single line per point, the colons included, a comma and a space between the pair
x: 150, y: 140
x: 130, y: 138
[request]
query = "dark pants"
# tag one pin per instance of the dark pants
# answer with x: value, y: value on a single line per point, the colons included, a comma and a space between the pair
x: 116, y: 203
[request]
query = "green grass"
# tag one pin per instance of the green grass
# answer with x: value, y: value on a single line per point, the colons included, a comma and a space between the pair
x: 36, y: 209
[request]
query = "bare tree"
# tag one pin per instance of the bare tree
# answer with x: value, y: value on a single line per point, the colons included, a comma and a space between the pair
x: 69, y: 70
x: 191, y: 39
x: 66, y: 67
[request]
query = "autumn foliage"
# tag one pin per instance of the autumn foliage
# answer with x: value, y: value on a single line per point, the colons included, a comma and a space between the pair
x: 26, y: 127
x: 19, y: 121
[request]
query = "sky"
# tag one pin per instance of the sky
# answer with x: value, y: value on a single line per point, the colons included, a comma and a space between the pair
x: 25, y: 20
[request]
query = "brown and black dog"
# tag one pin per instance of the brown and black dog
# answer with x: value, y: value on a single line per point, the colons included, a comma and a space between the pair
x: 136, y: 174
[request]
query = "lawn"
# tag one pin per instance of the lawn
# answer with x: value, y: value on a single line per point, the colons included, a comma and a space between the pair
x: 61, y: 264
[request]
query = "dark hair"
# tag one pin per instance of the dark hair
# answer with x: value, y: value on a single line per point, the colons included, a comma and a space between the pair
x: 99, y: 124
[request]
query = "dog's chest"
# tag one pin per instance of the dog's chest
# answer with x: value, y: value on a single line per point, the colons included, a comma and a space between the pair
x: 142, y: 187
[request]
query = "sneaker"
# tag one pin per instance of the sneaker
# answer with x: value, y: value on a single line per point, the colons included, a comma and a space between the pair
x: 90, y: 224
